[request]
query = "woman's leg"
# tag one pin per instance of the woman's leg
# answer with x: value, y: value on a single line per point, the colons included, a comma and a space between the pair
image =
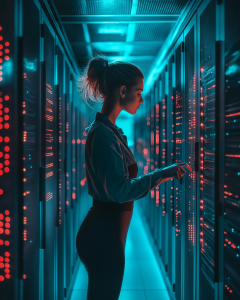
x: 101, y: 251
x: 105, y: 274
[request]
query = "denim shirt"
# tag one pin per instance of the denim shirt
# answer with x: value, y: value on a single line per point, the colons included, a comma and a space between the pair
x: 107, y: 158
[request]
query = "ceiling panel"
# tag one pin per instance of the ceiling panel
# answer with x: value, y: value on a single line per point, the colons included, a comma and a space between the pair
x: 170, y: 7
x: 98, y: 32
x: 93, y: 7
x: 138, y: 50
x: 153, y: 32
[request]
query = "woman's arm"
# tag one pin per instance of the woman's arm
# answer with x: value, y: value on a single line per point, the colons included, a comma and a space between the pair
x: 108, y: 161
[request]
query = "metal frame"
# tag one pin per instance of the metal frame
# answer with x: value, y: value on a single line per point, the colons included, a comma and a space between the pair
x: 131, y: 19
x: 186, y: 31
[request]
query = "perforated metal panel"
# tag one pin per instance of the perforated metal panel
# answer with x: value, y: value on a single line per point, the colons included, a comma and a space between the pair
x: 93, y: 7
x: 161, y: 7
x: 32, y: 153
x: 153, y: 32
x: 232, y: 153
x: 207, y: 146
x: 177, y: 184
x: 50, y: 164
x: 190, y: 179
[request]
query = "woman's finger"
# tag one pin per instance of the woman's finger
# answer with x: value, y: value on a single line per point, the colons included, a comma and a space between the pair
x: 185, y: 165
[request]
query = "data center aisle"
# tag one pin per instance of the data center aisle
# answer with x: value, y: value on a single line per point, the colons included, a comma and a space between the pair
x: 142, y: 278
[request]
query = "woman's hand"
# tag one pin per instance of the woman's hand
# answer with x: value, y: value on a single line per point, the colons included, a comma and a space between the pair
x: 175, y: 171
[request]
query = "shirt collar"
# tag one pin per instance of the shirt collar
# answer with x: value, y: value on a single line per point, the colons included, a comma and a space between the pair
x: 102, y: 118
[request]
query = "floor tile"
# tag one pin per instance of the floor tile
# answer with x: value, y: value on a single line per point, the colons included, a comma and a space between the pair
x: 152, y: 276
x: 132, y: 295
x: 157, y: 295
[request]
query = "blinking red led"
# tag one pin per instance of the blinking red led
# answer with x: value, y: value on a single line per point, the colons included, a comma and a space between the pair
x: 7, y: 44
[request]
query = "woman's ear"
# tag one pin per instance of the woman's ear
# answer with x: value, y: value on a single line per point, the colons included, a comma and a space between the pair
x: 122, y: 91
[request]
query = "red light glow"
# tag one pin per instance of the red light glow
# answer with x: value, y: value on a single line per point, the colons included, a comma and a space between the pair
x: 7, y: 44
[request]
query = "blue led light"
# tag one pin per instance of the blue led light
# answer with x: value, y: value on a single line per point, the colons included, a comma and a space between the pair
x: 113, y: 30
x: 232, y: 69
x: 30, y: 65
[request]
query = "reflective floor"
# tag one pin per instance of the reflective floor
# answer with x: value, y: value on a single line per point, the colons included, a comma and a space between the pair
x: 142, y: 277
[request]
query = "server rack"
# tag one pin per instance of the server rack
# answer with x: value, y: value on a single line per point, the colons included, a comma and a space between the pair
x: 231, y: 228
x: 196, y: 266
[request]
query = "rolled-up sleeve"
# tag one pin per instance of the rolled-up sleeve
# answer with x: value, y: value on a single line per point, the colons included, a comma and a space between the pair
x: 108, y: 162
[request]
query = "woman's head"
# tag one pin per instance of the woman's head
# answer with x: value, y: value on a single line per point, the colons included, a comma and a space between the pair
x: 118, y: 82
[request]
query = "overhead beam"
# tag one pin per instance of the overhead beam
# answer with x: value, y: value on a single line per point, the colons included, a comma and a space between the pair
x: 101, y: 19
x: 118, y: 44
x: 120, y: 58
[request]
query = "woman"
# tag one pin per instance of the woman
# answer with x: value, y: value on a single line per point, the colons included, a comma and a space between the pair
x: 111, y: 173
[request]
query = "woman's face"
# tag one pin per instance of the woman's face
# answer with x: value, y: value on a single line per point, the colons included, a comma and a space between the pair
x: 131, y: 99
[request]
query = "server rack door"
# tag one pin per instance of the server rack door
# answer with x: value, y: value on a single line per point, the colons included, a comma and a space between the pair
x: 148, y: 156
x: 162, y: 144
x: 178, y: 183
x: 31, y: 154
x: 152, y: 196
x: 189, y: 178
x: 232, y: 153
x: 73, y: 190
x: 169, y: 184
x: 159, y: 158
x: 61, y: 179
x: 207, y: 152
x: 11, y: 176
x: 68, y: 252
x: 75, y: 187
x: 50, y: 163
x: 155, y: 157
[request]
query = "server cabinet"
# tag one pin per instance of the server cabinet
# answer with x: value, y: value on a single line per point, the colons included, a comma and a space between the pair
x: 68, y: 149
x: 207, y: 219
x: 61, y: 176
x: 232, y: 153
x: 31, y: 148
x: 11, y: 161
x: 189, y: 129
x: 155, y: 157
x: 159, y: 165
x: 169, y: 161
x: 50, y: 164
x: 162, y: 190
x: 148, y: 153
x: 152, y: 167
x: 178, y: 154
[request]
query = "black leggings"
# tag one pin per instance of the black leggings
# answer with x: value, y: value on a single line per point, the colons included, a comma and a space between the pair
x: 100, y: 244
